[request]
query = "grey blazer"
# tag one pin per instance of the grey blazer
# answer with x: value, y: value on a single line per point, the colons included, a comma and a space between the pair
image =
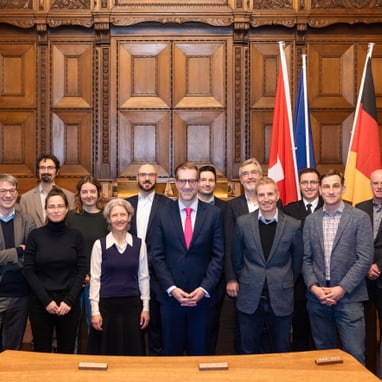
x: 351, y: 256
x: 281, y: 269
x: 30, y: 202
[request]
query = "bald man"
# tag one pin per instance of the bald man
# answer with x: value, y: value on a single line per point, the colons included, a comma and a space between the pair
x: 373, y: 207
x: 146, y: 205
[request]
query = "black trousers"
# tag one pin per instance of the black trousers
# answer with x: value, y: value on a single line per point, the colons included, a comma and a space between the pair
x: 44, y: 323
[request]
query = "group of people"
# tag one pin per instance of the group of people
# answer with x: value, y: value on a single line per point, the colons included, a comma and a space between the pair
x: 162, y: 267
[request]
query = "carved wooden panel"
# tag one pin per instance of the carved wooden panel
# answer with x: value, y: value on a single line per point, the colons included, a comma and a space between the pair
x: 199, y: 136
x: 17, y: 142
x: 72, y: 141
x: 199, y: 75
x: 331, y: 136
x: 17, y: 75
x: 331, y: 73
x: 143, y: 136
x: 144, y: 71
x: 264, y: 69
x: 72, y: 75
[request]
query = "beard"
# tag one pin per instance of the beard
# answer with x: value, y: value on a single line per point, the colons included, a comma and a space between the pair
x: 146, y: 186
x: 46, y: 178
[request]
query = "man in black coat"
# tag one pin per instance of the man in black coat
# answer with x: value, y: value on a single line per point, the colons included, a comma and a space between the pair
x: 309, y: 180
x: 147, y: 204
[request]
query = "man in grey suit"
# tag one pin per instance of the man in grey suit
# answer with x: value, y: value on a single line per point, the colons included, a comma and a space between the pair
x: 338, y: 252
x: 33, y: 201
x: 373, y: 207
x: 267, y: 253
x: 15, y: 227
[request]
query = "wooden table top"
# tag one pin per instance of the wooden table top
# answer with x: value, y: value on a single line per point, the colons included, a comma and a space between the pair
x: 26, y: 366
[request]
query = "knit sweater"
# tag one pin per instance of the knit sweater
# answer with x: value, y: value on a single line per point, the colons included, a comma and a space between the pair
x: 55, y: 261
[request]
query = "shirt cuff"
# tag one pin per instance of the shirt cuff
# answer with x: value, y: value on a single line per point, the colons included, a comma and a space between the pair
x: 169, y: 290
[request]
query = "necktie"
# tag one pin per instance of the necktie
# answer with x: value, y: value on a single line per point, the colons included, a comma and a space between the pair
x: 188, y: 227
x: 308, y: 208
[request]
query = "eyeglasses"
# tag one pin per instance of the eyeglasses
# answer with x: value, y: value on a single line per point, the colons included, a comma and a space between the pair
x: 247, y: 173
x: 309, y: 182
x: 50, y: 168
x: 191, y: 182
x: 4, y: 191
x: 145, y: 175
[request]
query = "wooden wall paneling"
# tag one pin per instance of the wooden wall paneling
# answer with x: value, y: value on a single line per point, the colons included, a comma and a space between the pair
x: 72, y: 83
x: 199, y: 86
x: 199, y: 136
x: 17, y: 142
x: 331, y: 75
x: 143, y: 136
x: 71, y: 108
x: 264, y: 69
x: 144, y: 102
x: 331, y: 134
x: 17, y: 75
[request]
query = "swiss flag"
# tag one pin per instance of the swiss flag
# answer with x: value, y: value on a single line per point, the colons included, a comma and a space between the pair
x: 282, y: 162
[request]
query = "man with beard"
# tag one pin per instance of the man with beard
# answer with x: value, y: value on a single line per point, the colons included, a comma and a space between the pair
x: 33, y: 201
x: 206, y: 189
x: 146, y: 205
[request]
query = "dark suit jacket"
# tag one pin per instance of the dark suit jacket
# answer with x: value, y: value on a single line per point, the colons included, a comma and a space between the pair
x: 235, y: 208
x: 280, y: 269
x: 367, y: 206
x: 298, y: 211
x: 351, y: 257
x: 199, y: 266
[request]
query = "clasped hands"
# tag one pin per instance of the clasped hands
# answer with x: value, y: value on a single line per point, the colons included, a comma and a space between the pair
x: 188, y: 299
x: 328, y: 295
x: 60, y: 310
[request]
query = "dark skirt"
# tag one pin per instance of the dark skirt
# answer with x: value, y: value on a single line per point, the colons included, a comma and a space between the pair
x: 121, y: 334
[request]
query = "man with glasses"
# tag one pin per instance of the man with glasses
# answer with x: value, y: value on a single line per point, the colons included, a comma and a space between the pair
x: 33, y: 201
x: 338, y: 253
x: 373, y: 207
x: 309, y: 180
x: 187, y: 255
x: 146, y: 205
x: 15, y: 227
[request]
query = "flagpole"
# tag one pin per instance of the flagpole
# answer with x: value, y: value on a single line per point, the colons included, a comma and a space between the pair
x: 306, y: 111
x: 370, y: 48
x: 289, y: 107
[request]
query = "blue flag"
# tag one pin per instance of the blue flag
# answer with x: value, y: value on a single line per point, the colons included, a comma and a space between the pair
x: 302, y: 129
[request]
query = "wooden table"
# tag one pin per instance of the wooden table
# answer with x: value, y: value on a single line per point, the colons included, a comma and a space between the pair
x: 20, y: 366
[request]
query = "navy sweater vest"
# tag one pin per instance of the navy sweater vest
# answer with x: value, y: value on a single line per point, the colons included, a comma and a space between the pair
x: 119, y: 271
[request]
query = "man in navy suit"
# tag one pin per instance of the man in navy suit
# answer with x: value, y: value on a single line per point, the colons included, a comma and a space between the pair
x: 187, y: 273
x: 207, y: 184
x: 338, y: 253
x: 309, y: 181
x: 146, y: 205
x: 373, y: 207
x: 267, y: 253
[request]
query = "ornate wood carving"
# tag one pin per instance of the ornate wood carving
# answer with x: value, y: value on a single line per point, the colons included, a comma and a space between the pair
x: 70, y: 4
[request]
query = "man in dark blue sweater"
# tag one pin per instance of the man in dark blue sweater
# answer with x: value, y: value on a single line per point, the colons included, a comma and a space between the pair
x: 15, y: 227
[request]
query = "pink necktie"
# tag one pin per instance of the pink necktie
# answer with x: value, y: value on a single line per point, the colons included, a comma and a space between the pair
x: 188, y: 227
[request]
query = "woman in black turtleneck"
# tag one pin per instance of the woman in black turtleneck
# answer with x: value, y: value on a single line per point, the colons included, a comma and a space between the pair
x: 55, y: 266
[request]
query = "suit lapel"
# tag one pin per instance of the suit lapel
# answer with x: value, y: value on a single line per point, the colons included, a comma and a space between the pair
x: 175, y: 218
x: 37, y: 204
x: 280, y: 228
x: 257, y: 239
x: 341, y: 226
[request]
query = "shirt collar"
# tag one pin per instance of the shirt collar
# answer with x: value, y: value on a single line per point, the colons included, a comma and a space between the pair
x: 313, y: 203
x: 337, y: 212
x: 149, y: 197
x: 194, y: 205
x: 110, y: 241
x: 8, y: 218
x: 273, y: 220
